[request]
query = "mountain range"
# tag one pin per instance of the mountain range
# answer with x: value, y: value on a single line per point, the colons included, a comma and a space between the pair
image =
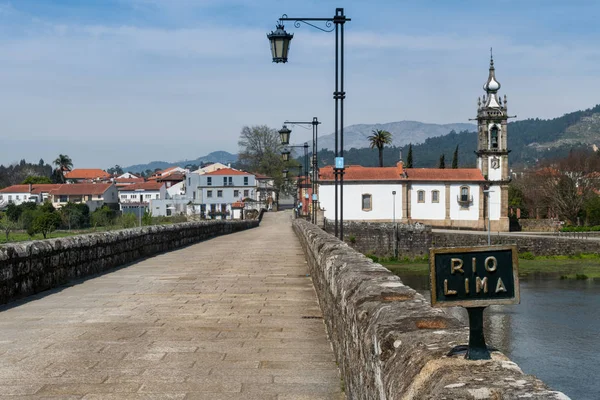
x: 403, y: 133
x: 529, y: 140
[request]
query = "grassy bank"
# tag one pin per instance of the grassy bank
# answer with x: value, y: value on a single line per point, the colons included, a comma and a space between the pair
x: 583, y: 266
x: 19, y: 236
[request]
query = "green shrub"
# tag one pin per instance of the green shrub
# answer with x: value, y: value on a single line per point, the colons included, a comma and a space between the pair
x: 373, y: 257
x: 582, y: 277
x: 352, y: 239
x: 527, y: 255
x: 126, y: 221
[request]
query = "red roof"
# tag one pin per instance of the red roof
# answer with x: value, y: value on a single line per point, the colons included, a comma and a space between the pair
x: 142, y: 186
x: 81, y: 173
x: 360, y: 173
x: 82, y: 189
x: 237, y: 204
x: 444, y: 174
x: 174, y: 176
x: 261, y: 176
x: 35, y: 188
x: 227, y: 171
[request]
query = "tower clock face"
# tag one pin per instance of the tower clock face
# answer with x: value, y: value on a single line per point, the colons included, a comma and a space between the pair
x: 495, y: 163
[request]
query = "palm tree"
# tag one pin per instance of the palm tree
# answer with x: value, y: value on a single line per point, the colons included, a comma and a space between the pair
x: 378, y: 139
x: 63, y: 163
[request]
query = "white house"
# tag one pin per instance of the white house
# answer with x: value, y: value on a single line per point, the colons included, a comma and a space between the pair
x: 213, y: 193
x: 142, y: 192
x: 18, y: 194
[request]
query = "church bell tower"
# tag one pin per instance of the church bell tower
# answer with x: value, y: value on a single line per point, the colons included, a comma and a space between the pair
x: 492, y: 149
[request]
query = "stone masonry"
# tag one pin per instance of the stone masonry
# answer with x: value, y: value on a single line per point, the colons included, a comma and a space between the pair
x: 31, y: 267
x: 234, y: 317
x: 390, y: 344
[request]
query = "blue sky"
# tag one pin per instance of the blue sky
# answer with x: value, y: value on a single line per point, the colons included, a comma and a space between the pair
x: 129, y: 81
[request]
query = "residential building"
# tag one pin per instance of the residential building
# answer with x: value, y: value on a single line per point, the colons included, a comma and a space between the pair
x: 213, y: 193
x: 210, y: 168
x: 18, y: 194
x: 142, y: 192
x: 95, y: 195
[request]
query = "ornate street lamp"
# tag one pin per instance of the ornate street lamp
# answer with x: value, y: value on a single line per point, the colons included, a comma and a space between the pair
x: 280, y: 43
x: 284, y: 173
x: 285, y: 155
x: 284, y: 134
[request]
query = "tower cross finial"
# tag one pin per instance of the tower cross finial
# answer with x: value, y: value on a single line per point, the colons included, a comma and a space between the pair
x: 491, y: 57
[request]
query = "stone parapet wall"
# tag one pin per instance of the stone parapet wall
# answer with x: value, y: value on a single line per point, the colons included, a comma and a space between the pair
x: 389, y: 343
x: 539, y: 225
x: 27, y: 268
x: 537, y: 245
x: 377, y: 238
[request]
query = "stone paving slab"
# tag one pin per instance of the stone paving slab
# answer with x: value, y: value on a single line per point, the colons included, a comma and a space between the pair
x: 235, y: 317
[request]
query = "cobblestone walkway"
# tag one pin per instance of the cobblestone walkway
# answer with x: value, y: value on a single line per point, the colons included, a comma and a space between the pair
x: 234, y: 317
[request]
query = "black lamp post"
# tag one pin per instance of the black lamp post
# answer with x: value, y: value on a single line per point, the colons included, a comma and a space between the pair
x: 280, y: 45
x: 315, y: 163
x: 285, y: 155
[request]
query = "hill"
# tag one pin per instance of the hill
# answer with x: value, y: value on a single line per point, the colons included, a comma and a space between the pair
x: 529, y: 140
x: 216, y: 156
x: 403, y: 133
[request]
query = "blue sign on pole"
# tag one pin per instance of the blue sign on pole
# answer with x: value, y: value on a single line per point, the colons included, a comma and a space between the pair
x: 314, y: 197
x: 339, y: 162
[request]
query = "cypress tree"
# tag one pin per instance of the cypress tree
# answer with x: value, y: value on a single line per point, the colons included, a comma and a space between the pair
x: 409, y: 159
x: 442, y: 163
x: 455, y: 158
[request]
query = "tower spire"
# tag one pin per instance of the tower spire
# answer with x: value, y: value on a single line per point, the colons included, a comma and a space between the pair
x: 492, y: 85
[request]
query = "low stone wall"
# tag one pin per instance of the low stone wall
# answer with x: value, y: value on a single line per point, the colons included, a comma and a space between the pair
x: 31, y: 267
x: 539, y: 225
x: 389, y: 343
x: 538, y: 245
x: 377, y: 238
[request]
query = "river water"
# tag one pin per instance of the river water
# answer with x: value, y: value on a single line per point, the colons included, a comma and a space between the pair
x: 553, y: 334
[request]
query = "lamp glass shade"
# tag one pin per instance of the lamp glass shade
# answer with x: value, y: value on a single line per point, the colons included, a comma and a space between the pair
x: 280, y: 44
x: 285, y: 155
x: 284, y: 134
x: 284, y: 173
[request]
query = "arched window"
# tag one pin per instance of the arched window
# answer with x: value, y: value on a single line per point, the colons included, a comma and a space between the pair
x: 494, y: 137
x: 421, y: 196
x: 367, y: 202
x: 464, y: 194
x: 435, y: 196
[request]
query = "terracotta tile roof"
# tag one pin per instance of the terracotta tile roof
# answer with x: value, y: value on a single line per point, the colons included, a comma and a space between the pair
x: 81, y: 173
x: 35, y: 188
x: 142, y: 186
x: 227, y: 171
x: 261, y: 176
x: 237, y: 204
x: 360, y: 173
x: 82, y: 189
x: 444, y: 174
x: 174, y: 176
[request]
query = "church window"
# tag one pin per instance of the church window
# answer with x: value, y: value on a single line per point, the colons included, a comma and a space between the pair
x: 494, y: 137
x: 435, y: 196
x: 421, y: 196
x: 464, y: 194
x: 367, y: 202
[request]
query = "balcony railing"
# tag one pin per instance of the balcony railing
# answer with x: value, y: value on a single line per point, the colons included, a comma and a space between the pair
x: 464, y: 200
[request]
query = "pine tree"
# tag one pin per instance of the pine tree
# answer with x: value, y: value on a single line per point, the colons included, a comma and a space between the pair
x: 455, y: 158
x: 442, y: 163
x: 409, y: 159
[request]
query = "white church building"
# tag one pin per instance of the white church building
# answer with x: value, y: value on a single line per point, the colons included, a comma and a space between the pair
x: 442, y: 198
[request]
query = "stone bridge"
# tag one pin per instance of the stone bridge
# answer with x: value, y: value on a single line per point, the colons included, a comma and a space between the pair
x: 234, y: 316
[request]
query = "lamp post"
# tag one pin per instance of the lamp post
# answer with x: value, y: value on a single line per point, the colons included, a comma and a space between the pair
x: 394, y: 222
x: 285, y: 154
x: 487, y: 195
x: 315, y: 163
x: 280, y: 44
x: 285, y: 174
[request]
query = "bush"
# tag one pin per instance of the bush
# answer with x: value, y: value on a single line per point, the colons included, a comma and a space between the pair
x: 527, y: 255
x: 45, y: 223
x: 126, y: 221
x: 103, y: 216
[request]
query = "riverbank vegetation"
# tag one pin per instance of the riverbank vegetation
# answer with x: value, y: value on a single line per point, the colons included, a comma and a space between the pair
x: 580, y: 266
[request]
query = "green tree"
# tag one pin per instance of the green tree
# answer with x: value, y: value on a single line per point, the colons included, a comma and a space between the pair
x: 592, y: 210
x: 63, y: 163
x: 103, y: 216
x: 75, y: 215
x: 409, y: 158
x: 36, y: 180
x: 442, y: 163
x: 260, y: 151
x: 7, y: 226
x: 116, y: 170
x: 455, y: 158
x: 378, y: 139
x: 14, y: 212
x: 45, y: 223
